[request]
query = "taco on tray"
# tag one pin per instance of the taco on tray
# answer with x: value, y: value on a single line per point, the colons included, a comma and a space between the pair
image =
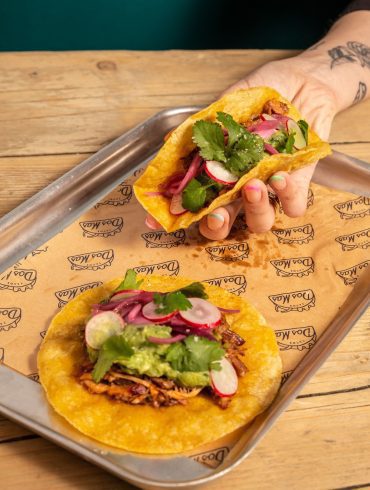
x: 206, y: 160
x: 159, y: 364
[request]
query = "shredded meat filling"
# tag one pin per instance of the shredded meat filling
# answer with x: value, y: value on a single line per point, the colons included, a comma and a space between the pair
x: 275, y: 106
x: 138, y: 391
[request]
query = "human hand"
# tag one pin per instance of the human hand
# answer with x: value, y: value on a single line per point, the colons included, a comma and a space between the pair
x: 302, y: 81
x: 320, y: 82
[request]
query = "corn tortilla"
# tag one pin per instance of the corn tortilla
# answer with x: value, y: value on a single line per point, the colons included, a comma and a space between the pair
x: 242, y: 105
x: 145, y: 429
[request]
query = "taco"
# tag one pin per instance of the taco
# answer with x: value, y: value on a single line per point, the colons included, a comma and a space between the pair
x: 158, y: 365
x: 206, y: 160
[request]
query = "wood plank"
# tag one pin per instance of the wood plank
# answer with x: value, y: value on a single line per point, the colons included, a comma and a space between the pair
x: 58, y: 103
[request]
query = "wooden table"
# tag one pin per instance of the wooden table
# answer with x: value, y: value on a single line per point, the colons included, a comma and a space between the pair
x: 58, y: 108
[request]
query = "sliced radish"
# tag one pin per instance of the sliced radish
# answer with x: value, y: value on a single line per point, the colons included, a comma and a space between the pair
x: 127, y: 293
x: 176, y: 207
x: 149, y: 313
x: 299, y: 139
x: 219, y: 173
x: 201, y: 314
x: 225, y: 381
x: 102, y: 326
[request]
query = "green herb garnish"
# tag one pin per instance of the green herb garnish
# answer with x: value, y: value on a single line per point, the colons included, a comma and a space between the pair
x: 243, y: 149
x: 178, y: 300
x: 130, y: 281
x: 194, y: 196
x: 92, y: 353
x: 113, y: 349
x: 239, y: 155
x: 194, y: 290
x: 166, y: 303
x: 303, y: 125
x: 289, y: 143
x: 195, y: 354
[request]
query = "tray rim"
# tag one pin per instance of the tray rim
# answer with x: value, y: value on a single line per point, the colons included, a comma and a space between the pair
x: 347, y: 317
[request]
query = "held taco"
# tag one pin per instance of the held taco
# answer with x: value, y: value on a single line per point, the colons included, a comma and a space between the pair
x: 160, y: 365
x: 206, y: 160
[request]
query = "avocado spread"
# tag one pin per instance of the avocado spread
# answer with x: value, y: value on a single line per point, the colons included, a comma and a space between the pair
x: 150, y: 359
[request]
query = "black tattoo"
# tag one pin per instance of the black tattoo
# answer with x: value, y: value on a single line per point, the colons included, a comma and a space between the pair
x: 315, y: 46
x: 362, y: 52
x: 353, y: 52
x: 361, y: 92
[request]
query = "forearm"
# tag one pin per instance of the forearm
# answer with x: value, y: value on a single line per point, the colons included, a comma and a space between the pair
x: 342, y: 57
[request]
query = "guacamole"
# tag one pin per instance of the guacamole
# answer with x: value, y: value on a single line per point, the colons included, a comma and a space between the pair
x: 150, y: 359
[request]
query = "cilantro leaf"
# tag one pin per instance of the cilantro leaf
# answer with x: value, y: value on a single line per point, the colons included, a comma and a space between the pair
x: 166, y: 303
x: 92, y: 353
x: 289, y: 143
x: 240, y: 162
x: 113, y: 349
x: 234, y: 130
x: 278, y: 140
x: 245, y: 154
x: 303, y: 125
x: 194, y: 196
x: 205, y: 180
x: 209, y: 138
x: 129, y: 282
x: 194, y: 290
x: 195, y: 354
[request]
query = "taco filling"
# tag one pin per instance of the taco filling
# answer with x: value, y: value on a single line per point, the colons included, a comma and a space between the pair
x: 226, y: 150
x: 205, y: 162
x: 160, y: 349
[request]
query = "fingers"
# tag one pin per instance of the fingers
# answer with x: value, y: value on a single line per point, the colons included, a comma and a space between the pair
x: 152, y: 223
x: 292, y: 190
x: 259, y: 212
x: 217, y: 225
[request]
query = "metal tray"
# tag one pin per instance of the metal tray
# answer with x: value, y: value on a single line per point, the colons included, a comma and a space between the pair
x: 28, y: 226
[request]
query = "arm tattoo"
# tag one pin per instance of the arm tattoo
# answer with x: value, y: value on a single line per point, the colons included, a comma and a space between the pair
x: 353, y: 52
x: 361, y: 93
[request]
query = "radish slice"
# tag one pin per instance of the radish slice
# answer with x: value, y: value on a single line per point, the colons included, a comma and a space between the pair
x: 127, y: 293
x: 102, y: 326
x: 219, y: 173
x: 150, y: 313
x: 299, y: 140
x: 176, y: 205
x: 225, y: 381
x: 201, y: 314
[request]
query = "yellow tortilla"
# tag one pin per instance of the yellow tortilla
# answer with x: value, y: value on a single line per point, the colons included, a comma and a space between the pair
x: 241, y: 104
x: 146, y: 429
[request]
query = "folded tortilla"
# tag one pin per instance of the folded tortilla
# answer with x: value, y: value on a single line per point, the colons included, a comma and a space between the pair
x: 146, y: 429
x: 242, y: 105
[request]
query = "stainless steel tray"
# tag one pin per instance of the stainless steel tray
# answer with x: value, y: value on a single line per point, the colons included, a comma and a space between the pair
x: 28, y: 226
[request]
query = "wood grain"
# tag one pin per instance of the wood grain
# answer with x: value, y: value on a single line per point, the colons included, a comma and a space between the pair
x: 56, y: 110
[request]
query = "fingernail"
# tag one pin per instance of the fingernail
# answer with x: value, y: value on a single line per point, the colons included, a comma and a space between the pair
x: 252, y: 193
x: 279, y: 181
x: 149, y: 223
x: 215, y: 221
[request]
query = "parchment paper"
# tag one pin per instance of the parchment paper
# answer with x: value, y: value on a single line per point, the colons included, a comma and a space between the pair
x: 298, y: 275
